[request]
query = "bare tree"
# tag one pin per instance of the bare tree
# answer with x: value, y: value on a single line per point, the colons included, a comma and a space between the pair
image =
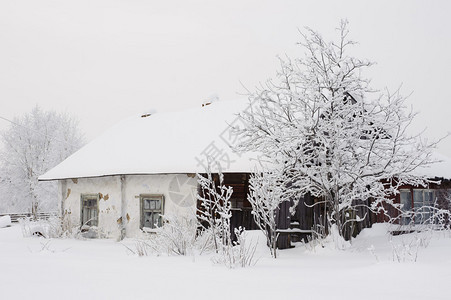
x: 321, y: 125
x: 34, y: 143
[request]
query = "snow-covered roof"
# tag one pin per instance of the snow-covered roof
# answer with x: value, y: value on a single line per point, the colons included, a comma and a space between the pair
x: 176, y: 142
x: 161, y: 143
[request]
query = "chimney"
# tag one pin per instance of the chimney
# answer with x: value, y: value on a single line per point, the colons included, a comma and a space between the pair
x: 148, y: 113
x: 210, y: 100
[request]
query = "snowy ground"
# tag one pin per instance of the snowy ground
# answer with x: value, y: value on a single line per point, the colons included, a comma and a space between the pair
x: 38, y: 268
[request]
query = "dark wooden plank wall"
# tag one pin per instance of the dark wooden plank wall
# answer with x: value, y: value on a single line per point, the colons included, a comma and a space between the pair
x: 311, y: 212
x: 241, y: 207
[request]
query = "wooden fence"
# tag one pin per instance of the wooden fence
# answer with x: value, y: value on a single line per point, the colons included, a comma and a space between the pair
x: 40, y: 215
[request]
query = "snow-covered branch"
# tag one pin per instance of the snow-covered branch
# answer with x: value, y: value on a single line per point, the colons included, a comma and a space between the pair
x: 33, y: 144
x: 323, y: 127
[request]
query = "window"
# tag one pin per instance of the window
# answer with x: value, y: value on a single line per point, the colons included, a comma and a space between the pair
x: 152, y: 208
x: 406, y: 201
x: 423, y: 200
x: 89, y: 209
x: 420, y: 205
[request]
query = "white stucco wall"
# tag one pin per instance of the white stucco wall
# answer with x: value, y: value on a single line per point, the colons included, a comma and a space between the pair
x: 178, y: 190
x: 109, y: 203
x: 166, y: 185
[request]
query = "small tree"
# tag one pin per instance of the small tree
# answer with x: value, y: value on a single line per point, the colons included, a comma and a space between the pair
x: 215, y: 209
x: 214, y: 214
x: 34, y: 143
x: 322, y: 126
x: 265, y: 196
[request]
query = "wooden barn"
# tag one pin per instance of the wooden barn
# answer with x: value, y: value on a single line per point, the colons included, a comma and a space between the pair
x: 418, y: 205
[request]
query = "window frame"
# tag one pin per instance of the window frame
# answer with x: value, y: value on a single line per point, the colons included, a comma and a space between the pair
x: 423, y: 211
x: 406, y: 220
x: 84, y: 197
x: 142, y: 211
x: 419, y: 212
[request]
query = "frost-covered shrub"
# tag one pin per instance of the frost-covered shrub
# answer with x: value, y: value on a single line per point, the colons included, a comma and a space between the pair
x: 204, y: 241
x: 69, y: 229
x: 239, y: 254
x: 53, y: 228
x: 140, y: 248
x: 91, y: 232
x: 177, y: 236
x: 406, y: 247
x: 184, y: 233
x: 48, y: 228
x: 332, y: 240
x: 424, y: 223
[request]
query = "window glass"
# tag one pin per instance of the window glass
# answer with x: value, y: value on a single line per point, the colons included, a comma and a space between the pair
x: 418, y: 198
x: 429, y: 198
x: 148, y: 219
x: 152, y: 204
x: 406, y: 200
x: 423, y: 203
x: 151, y: 210
x: 89, y: 210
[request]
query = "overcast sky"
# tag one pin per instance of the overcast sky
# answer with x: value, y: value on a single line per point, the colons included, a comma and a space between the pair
x: 104, y: 60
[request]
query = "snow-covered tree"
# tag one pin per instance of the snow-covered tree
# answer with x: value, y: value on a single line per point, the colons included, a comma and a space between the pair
x: 265, y: 195
x: 321, y: 125
x: 34, y: 143
x: 215, y: 208
x: 214, y: 214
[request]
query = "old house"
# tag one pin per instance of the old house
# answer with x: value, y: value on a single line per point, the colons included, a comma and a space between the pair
x: 145, y: 166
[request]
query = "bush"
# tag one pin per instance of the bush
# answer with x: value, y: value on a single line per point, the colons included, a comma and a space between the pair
x: 47, y: 228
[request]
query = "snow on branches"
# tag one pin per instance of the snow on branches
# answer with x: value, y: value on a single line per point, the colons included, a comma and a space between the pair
x: 321, y: 125
x: 215, y: 209
x: 214, y: 215
x: 33, y: 144
x: 265, y: 196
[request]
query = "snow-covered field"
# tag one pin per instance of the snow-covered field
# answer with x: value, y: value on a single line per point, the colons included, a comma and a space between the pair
x: 38, y: 268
